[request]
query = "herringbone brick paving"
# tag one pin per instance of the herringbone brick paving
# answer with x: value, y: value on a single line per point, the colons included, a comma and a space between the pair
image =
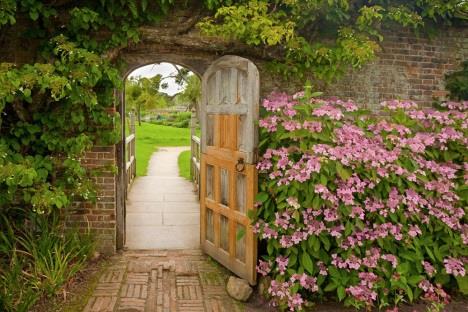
x: 163, y: 281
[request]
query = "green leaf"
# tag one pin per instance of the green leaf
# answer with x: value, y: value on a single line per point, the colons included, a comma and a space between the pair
x: 341, y: 293
x: 326, y: 242
x: 240, y: 233
x: 307, y: 263
x: 34, y: 15
x: 262, y: 197
x: 415, y: 279
x: 462, y: 282
x: 330, y: 287
x: 403, y: 268
x: 342, y: 172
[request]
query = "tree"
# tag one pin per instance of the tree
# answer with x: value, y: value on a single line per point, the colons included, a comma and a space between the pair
x: 143, y: 93
x: 192, y: 92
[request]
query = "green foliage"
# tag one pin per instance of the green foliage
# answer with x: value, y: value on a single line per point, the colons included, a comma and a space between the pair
x: 38, y: 258
x: 52, y: 114
x: 7, y: 12
x: 175, y: 119
x: 323, y: 37
x: 457, y: 83
x: 142, y: 94
x: 192, y: 91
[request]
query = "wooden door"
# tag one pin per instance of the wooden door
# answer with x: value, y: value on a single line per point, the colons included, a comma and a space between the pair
x: 229, y: 138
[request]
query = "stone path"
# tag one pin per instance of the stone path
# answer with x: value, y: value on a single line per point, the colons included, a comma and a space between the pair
x: 162, y: 210
x: 163, y: 281
x: 162, y: 214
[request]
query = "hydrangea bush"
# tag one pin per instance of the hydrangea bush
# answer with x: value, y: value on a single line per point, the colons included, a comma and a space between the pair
x: 368, y: 209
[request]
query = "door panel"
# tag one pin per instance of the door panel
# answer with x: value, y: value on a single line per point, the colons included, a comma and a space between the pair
x: 228, y: 113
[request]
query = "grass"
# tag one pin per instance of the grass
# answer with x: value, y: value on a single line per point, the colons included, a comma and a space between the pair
x: 150, y: 136
x: 184, y: 165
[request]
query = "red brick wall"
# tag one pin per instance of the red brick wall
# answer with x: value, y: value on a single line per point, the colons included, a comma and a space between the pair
x: 408, y: 67
x: 99, y: 217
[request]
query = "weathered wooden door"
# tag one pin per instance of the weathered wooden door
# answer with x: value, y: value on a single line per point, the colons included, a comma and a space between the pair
x: 229, y: 138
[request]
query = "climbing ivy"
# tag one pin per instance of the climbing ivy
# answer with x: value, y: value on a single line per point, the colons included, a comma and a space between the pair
x: 53, y: 110
x: 52, y: 114
x: 325, y: 37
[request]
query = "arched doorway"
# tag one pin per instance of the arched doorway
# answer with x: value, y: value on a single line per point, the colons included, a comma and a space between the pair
x: 229, y: 112
x: 160, y: 208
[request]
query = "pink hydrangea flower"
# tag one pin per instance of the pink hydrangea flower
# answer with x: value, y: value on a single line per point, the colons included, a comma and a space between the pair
x: 263, y: 267
x: 428, y: 268
x: 454, y: 266
x: 282, y: 263
x: 292, y: 201
x: 414, y: 231
x: 392, y: 259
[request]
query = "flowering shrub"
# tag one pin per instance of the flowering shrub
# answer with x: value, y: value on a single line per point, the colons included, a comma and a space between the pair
x: 370, y: 210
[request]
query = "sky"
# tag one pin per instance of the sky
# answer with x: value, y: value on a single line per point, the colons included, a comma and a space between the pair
x: 165, y: 69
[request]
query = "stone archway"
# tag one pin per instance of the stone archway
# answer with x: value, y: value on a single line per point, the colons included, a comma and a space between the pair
x: 177, y: 41
x: 121, y: 150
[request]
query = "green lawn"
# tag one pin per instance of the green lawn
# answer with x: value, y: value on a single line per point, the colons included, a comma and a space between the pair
x: 149, y: 137
x: 184, y: 165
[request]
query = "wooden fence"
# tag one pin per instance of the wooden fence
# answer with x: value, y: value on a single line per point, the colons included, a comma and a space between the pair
x: 130, y: 159
x: 194, y: 152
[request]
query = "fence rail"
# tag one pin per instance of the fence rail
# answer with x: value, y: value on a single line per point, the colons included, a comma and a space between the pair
x: 130, y: 160
x: 195, y: 161
x: 195, y: 151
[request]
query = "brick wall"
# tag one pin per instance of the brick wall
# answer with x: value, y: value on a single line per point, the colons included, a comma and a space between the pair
x: 408, y: 67
x: 99, y: 217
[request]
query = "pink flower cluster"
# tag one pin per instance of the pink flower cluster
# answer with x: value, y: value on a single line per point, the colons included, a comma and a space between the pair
x: 287, y: 170
x: 454, y: 266
x: 361, y: 191
x: 282, y: 290
x: 370, y: 261
x: 363, y: 292
x: 433, y: 293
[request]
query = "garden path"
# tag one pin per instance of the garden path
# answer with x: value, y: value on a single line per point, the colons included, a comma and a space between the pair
x: 162, y: 209
x: 163, y: 268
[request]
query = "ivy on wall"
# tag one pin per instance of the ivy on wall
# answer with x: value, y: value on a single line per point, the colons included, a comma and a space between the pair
x: 59, y: 105
x: 324, y: 37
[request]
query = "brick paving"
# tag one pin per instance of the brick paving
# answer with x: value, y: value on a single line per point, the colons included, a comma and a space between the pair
x: 163, y: 281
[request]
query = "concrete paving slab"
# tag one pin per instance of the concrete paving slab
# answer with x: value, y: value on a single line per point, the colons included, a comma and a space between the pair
x: 181, y: 207
x: 150, y: 207
x: 144, y: 218
x: 184, y: 218
x: 163, y: 212
x: 163, y: 237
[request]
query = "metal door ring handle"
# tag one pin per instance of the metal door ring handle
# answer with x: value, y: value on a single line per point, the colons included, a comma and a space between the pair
x: 240, y: 165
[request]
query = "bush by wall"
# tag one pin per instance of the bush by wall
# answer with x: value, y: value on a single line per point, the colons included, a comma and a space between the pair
x: 457, y: 83
x: 369, y: 210
x: 176, y: 119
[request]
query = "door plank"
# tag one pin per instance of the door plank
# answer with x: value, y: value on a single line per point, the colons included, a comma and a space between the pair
x: 228, y: 115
